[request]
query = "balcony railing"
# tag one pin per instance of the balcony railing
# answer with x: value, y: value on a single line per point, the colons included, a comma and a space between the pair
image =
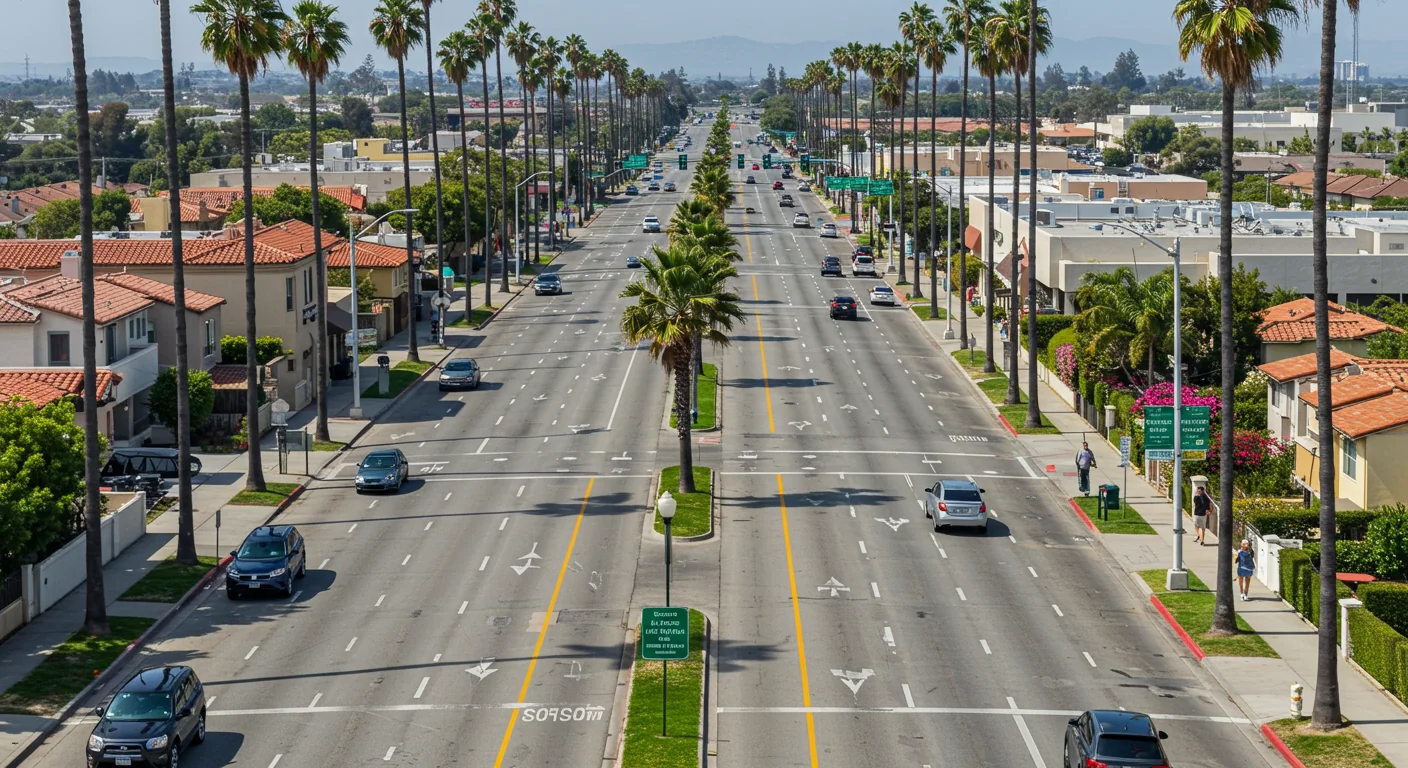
x: 138, y: 371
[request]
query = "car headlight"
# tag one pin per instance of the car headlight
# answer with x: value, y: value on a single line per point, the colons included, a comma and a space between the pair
x: 277, y: 572
x: 95, y: 742
x: 361, y: 478
x: 157, y: 742
x: 233, y: 571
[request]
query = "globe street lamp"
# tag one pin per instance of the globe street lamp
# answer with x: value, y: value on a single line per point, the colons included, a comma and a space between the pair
x: 665, y: 505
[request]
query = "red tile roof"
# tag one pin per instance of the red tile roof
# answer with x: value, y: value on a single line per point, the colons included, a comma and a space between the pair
x: 42, y: 386
x: 1369, y: 416
x: 1350, y: 390
x: 196, y: 301
x: 65, y: 296
x: 10, y: 312
x: 229, y: 376
x: 1294, y: 322
x: 293, y: 236
x: 1303, y: 365
x: 21, y: 255
x: 368, y: 255
x: 225, y: 197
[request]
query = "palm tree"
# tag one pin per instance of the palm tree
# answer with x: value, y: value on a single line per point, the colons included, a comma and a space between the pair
x: 936, y: 44
x: 964, y: 19
x: 574, y: 49
x: 1128, y: 320
x: 1326, y: 712
x: 612, y: 65
x: 873, y: 62
x: 185, y: 534
x: 562, y: 88
x: 990, y: 62
x: 481, y: 28
x: 549, y: 59
x: 500, y: 15
x: 1234, y: 38
x: 914, y: 25
x: 533, y: 80
x: 901, y: 63
x: 1037, y: 19
x: 458, y: 52
x: 314, y: 39
x: 242, y: 35
x: 522, y: 43
x: 95, y: 618
x: 435, y: 158
x: 682, y: 298
x: 855, y: 57
x: 687, y: 214
x: 397, y: 28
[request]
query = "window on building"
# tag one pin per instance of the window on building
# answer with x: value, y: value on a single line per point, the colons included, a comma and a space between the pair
x: 1350, y: 448
x: 59, y: 349
x: 288, y: 293
x: 209, y: 339
x: 1275, y: 395
x: 308, y: 286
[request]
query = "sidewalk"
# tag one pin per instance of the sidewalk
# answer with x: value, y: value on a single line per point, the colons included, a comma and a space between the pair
x: 1261, y: 687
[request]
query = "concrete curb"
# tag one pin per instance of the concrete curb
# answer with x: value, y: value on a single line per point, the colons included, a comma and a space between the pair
x: 713, y: 512
x: 1182, y: 633
x: 621, y: 702
x: 1280, y: 746
x: 1084, y: 517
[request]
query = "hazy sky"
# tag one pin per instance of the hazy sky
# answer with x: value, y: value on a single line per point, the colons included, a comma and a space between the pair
x: 39, y: 28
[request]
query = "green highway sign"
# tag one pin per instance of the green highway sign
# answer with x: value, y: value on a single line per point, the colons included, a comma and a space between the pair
x: 635, y: 161
x: 664, y: 634
x: 1158, y: 428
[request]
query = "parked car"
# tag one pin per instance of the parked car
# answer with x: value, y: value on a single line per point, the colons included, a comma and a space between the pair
x: 1114, y: 738
x: 843, y: 306
x: 650, y: 224
x: 151, y: 720
x: 146, y: 461
x: 883, y: 294
x: 957, y: 503
x: 863, y: 265
x: 549, y: 283
x: 459, y: 372
x: 632, y: 190
x: 383, y: 471
x: 270, y: 558
x: 828, y: 230
x: 831, y: 267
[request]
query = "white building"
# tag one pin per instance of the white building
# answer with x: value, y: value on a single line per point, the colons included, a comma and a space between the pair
x: 1271, y: 130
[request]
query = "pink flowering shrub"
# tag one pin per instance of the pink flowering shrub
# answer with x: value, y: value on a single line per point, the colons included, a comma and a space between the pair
x: 1162, y: 394
x: 1250, y: 450
x: 1066, y: 363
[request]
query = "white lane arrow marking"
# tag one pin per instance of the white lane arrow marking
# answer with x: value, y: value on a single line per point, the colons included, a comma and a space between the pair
x: 398, y: 437
x: 788, y: 368
x: 934, y: 376
x: 800, y: 425
x: 892, y: 522
x: 848, y: 407
x: 530, y: 557
x: 574, y: 671
x: 540, y: 398
x: 435, y: 467
x: 577, y: 427
x: 835, y: 586
x: 853, y: 680
x: 563, y: 357
x: 484, y: 669
x: 599, y: 377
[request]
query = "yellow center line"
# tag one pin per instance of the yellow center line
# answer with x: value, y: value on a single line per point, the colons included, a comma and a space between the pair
x: 547, y: 619
x: 797, y: 620
x: 767, y: 391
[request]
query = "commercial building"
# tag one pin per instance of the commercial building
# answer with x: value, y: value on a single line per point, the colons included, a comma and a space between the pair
x: 944, y: 161
x: 1271, y: 130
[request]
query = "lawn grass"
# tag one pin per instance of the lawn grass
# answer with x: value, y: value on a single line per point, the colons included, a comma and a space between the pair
x: 1016, y: 415
x: 158, y: 509
x: 403, y: 374
x: 645, y: 747
x: 1193, y: 611
x: 693, y: 511
x: 961, y: 356
x: 995, y: 388
x: 708, y: 386
x: 923, y: 311
x: 1126, y: 519
x: 476, y: 316
x: 69, y: 668
x: 272, y: 495
x: 327, y: 445
x: 168, y: 581
x: 1345, y: 748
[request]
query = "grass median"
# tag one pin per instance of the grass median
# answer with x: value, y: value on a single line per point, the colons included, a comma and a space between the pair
x: 707, y: 385
x: 272, y: 496
x: 693, y: 511
x: 403, y: 374
x: 645, y: 747
x: 1193, y: 611
x: 1126, y: 519
x: 1345, y: 748
x: 476, y: 316
x: 169, y: 580
x: 922, y: 310
x: 69, y: 668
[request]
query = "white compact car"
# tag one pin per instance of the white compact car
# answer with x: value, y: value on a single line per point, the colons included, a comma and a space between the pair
x: 801, y: 220
x: 651, y: 224
x: 863, y: 265
x: 828, y: 230
x: 883, y: 294
x: 957, y: 503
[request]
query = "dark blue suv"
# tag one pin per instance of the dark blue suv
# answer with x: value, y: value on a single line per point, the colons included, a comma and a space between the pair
x: 1115, y: 738
x: 270, y: 558
x: 150, y: 720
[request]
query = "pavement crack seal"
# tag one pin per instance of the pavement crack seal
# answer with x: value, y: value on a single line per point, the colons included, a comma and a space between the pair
x: 543, y: 631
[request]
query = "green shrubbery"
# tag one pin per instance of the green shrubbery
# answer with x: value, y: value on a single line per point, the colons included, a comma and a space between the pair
x: 1381, y: 651
x: 1387, y: 540
x: 1300, y: 584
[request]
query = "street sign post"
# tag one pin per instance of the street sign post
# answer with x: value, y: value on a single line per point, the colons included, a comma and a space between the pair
x: 1193, y: 437
x: 806, y: 163
x: 664, y: 637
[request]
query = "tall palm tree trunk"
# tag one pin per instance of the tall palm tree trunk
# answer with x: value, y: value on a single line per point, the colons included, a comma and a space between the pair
x: 95, y: 619
x: 488, y: 184
x: 855, y: 147
x: 1014, y: 392
x: 504, y: 243
x: 682, y: 426
x: 185, y: 535
x: 1326, y: 712
x: 988, y: 247
x: 413, y: 280
x: 1224, y: 617
x: 552, y: 170
x: 435, y: 156
x: 899, y: 189
x: 321, y: 288
x: 933, y: 189
x: 255, y: 478
x: 532, y: 169
x: 962, y: 213
x: 464, y: 185
x: 918, y: 284
x: 1033, y: 392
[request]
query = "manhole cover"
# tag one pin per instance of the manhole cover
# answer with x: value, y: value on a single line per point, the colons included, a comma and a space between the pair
x: 499, y: 621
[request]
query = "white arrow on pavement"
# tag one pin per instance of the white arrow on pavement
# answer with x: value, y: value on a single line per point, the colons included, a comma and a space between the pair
x: 892, y: 522
x: 788, y: 368
x: 835, y: 586
x: 853, y: 680
x: 563, y: 357
x: 577, y: 427
x: 484, y: 669
x: 540, y: 398
x: 848, y: 407
x: 395, y: 436
x: 575, y: 671
x: 530, y: 557
x: 935, y: 376
x: 599, y: 377
x: 800, y: 425
x: 435, y: 467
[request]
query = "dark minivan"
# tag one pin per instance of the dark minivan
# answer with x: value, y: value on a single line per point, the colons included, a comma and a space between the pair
x: 146, y: 461
x: 150, y: 720
x: 270, y: 558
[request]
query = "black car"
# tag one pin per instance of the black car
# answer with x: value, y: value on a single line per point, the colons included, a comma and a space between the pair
x: 843, y: 306
x: 632, y: 262
x: 382, y: 471
x: 632, y: 190
x: 459, y: 372
x: 831, y: 266
x: 270, y: 558
x: 151, y: 719
x: 1113, y: 738
x: 549, y: 283
x: 146, y: 461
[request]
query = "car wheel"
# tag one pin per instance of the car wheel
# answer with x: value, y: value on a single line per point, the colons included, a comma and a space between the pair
x: 927, y: 513
x: 173, y: 757
x: 195, y: 466
x: 200, y: 729
x: 230, y: 594
x: 303, y: 567
x: 937, y: 526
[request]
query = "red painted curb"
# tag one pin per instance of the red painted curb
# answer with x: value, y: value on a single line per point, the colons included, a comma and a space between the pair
x: 1005, y: 423
x: 1182, y: 633
x: 1088, y: 523
x: 1280, y: 746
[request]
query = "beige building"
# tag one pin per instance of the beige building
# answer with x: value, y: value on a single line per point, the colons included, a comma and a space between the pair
x: 945, y: 160
x: 1139, y: 186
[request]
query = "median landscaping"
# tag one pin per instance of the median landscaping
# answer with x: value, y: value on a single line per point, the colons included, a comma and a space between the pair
x: 693, y: 511
x: 707, y: 388
x: 1345, y: 748
x: 1123, y: 520
x: 1192, y: 610
x: 69, y: 668
x: 403, y: 374
x: 922, y: 310
x: 272, y: 496
x: 476, y: 316
x: 645, y: 747
x: 169, y: 580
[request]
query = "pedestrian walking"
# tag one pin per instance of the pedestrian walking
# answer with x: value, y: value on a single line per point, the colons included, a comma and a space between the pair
x: 1085, y: 459
x: 1202, y: 505
x: 1245, y: 561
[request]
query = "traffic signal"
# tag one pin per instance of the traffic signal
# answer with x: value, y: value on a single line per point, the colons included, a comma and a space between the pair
x: 806, y: 163
x: 684, y: 162
x: 740, y: 159
x: 767, y: 161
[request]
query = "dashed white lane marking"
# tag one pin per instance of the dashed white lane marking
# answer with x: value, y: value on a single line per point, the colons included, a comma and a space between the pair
x: 465, y: 604
x: 482, y: 444
x: 942, y: 553
x: 436, y: 660
x: 853, y: 511
x: 1012, y: 538
x: 887, y: 430
x: 1033, y: 571
x: 373, y: 504
x: 277, y: 757
x: 316, y: 696
x: 420, y: 689
x: 407, y: 560
x: 432, y: 522
x: 210, y: 702
x: 389, y: 753
x: 484, y: 563
x: 353, y: 528
x: 1086, y: 654
x: 862, y: 547
x: 503, y: 523
x: 500, y: 421
x: 520, y: 495
x: 351, y: 643
x: 874, y: 589
x: 1057, y: 609
x: 378, y: 601
x: 251, y: 652
x: 1026, y: 735
x: 961, y: 596
x: 293, y: 598
x: 986, y: 649
x: 889, y: 637
x: 324, y: 564
x: 908, y: 697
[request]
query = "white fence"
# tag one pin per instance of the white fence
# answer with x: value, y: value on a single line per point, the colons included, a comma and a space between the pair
x: 61, y: 572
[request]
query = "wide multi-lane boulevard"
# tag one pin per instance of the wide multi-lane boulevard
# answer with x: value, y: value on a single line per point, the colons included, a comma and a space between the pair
x: 480, y: 616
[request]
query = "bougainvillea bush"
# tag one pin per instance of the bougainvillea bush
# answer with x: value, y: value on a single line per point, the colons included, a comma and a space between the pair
x: 1066, y: 363
x: 1162, y: 394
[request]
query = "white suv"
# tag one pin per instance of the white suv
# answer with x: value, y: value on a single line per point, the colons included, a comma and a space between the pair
x: 801, y: 220
x: 863, y: 265
x: 651, y: 224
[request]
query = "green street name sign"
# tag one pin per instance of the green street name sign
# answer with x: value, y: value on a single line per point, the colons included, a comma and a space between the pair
x: 1158, y: 428
x: 664, y: 634
x: 635, y: 161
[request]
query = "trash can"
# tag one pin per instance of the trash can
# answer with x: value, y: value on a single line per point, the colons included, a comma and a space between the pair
x: 1110, y: 494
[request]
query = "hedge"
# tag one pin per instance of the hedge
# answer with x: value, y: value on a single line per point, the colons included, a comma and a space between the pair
x: 1047, y: 326
x: 1350, y: 556
x: 1389, y: 601
x: 1300, y: 585
x: 1381, y: 651
x: 1291, y: 519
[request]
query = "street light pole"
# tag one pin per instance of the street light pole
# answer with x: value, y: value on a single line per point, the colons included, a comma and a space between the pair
x: 356, y: 410
x: 518, y: 225
x: 948, y: 265
x: 665, y: 505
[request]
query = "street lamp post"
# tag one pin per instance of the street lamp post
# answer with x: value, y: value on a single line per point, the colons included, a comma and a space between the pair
x: 1177, y: 576
x: 356, y: 410
x: 665, y: 505
x: 518, y: 222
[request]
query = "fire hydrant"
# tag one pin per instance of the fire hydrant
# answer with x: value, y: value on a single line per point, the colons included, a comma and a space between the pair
x: 1296, y: 689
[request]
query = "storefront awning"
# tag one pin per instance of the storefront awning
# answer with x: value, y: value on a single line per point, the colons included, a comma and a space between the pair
x: 973, y: 238
x: 339, y: 320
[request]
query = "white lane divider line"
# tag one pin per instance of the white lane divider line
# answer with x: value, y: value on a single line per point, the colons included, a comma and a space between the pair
x: 962, y: 597
x: 1021, y: 460
x: 324, y: 564
x: 889, y: 637
x: 373, y: 504
x: 1057, y: 609
x: 251, y: 652
x: 378, y: 601
x: 294, y: 597
x: 432, y: 522
x: 313, y: 704
x: 986, y: 649
x: 484, y: 563
x: 464, y: 605
x: 407, y: 560
x: 874, y: 589
x: 353, y: 528
x: 389, y: 753
x: 908, y: 697
x: 210, y: 702
x: 424, y: 681
x: 348, y: 649
x: 499, y: 421
x: 1026, y: 735
x: 520, y: 495
x: 942, y: 553
x: 1086, y: 654
x: 1033, y: 571
x: 853, y: 511
x: 503, y: 523
x: 277, y: 757
x: 862, y: 547
x: 436, y: 660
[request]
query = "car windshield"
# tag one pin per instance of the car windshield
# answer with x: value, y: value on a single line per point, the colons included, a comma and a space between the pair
x: 962, y: 494
x: 459, y: 365
x: 1120, y: 746
x: 381, y: 461
x: 140, y: 705
x: 865, y: 259
x: 262, y: 549
x: 884, y: 289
